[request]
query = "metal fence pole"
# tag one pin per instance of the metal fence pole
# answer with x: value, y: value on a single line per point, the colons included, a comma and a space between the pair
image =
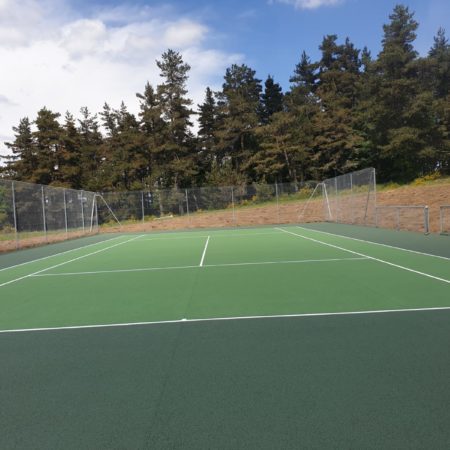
x: 398, y: 218
x: 43, y: 212
x: 337, y: 203
x: 232, y: 204
x: 427, y: 220
x: 278, y: 203
x: 82, y: 209
x: 142, y: 206
x: 352, y: 206
x: 96, y: 212
x: 14, y: 214
x: 187, y: 204
x: 374, y: 174
x: 65, y: 211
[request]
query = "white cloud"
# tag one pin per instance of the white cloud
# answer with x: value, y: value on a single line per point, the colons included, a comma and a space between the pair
x: 59, y: 59
x: 309, y: 4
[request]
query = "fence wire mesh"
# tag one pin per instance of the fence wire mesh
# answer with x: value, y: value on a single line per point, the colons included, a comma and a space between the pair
x: 403, y: 217
x: 32, y: 214
x: 444, y: 217
x: 351, y: 198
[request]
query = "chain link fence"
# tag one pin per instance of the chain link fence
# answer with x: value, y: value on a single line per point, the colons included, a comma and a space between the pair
x: 32, y: 214
x: 444, y: 218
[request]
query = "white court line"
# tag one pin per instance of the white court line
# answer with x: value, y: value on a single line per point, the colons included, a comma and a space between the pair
x: 150, y: 269
x: 60, y: 253
x: 204, y: 252
x: 69, y: 261
x: 367, y: 256
x: 375, y: 243
x: 223, y: 319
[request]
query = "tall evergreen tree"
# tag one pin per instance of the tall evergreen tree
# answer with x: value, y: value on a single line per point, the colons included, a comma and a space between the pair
x: 335, y: 136
x: 304, y: 78
x: 400, y: 127
x: 439, y: 58
x: 179, y: 162
x: 93, y: 170
x: 152, y: 127
x: 123, y: 152
x: 239, y: 107
x: 208, y: 125
x: 271, y: 99
x: 48, y: 147
x: 21, y: 163
x: 70, y: 160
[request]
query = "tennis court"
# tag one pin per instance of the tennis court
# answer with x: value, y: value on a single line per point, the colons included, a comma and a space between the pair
x: 315, y: 336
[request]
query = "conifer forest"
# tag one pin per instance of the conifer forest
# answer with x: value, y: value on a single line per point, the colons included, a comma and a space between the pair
x: 347, y: 111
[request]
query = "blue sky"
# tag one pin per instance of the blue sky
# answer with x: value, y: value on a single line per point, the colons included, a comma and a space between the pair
x: 65, y: 54
x: 271, y: 34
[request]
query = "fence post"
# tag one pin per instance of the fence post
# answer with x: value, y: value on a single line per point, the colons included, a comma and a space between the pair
x: 352, y: 207
x: 82, y: 209
x: 398, y: 218
x: 232, y: 204
x: 337, y: 199
x: 43, y: 212
x: 427, y: 220
x: 65, y: 211
x: 278, y: 203
x: 15, y: 214
x: 187, y: 204
x: 96, y: 212
x: 142, y: 206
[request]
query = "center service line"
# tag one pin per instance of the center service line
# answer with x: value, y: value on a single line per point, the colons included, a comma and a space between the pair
x: 204, y: 252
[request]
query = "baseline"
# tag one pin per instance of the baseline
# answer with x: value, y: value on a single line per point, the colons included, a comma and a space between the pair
x: 367, y: 256
x: 222, y: 319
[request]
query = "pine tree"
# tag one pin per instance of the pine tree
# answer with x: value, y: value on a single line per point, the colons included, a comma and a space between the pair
x: 439, y: 57
x: 91, y: 141
x: 271, y: 99
x: 123, y: 151
x: 336, y: 139
x: 208, y: 125
x: 399, y: 137
x: 70, y: 160
x: 152, y: 127
x: 304, y: 78
x: 179, y: 157
x: 239, y: 106
x: 48, y: 147
x: 21, y: 164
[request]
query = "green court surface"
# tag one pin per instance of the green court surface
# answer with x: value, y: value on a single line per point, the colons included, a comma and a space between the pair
x: 315, y: 336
